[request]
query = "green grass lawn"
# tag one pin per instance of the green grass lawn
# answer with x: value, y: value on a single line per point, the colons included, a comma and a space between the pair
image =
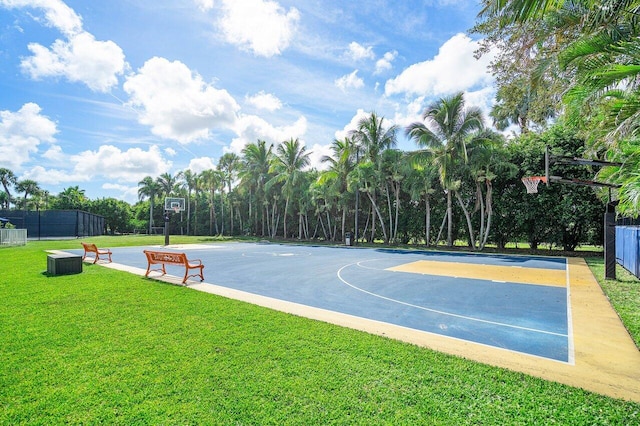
x: 110, y: 347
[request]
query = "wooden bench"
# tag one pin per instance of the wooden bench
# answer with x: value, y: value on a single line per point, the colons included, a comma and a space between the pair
x: 92, y: 248
x: 167, y: 258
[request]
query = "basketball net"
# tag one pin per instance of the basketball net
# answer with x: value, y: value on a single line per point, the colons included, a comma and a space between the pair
x: 532, y: 182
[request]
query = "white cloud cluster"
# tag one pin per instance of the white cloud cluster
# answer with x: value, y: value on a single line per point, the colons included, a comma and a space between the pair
x: 177, y: 103
x: 21, y: 133
x: 250, y: 128
x: 259, y: 26
x: 385, y: 63
x: 349, y: 81
x: 316, y: 153
x: 80, y: 59
x: 131, y: 165
x: 358, y: 52
x: 199, y: 165
x: 107, y: 162
x: 265, y: 101
x: 204, y: 5
x: 56, y: 14
x: 453, y: 69
x: 352, y: 125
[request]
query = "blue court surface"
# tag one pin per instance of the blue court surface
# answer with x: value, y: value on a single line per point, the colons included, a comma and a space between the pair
x: 460, y: 295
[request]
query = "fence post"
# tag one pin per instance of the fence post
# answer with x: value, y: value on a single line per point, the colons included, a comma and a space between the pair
x: 610, y: 246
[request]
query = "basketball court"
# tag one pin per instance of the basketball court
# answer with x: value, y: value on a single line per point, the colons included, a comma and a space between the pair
x: 543, y: 316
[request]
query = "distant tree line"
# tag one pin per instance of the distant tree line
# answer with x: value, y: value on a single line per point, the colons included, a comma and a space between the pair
x: 462, y: 183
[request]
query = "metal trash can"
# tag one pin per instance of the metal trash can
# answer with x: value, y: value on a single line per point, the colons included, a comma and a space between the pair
x: 348, y: 239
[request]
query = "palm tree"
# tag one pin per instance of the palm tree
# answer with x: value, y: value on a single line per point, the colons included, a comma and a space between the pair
x: 449, y: 125
x: 291, y: 157
x: 341, y: 163
x: 4, y: 199
x: 197, y: 186
x: 486, y: 162
x: 366, y: 178
x: 72, y: 198
x: 148, y: 187
x: 29, y: 187
x: 395, y: 168
x: 212, y: 180
x: 372, y: 138
x: 419, y: 184
x: 168, y: 184
x: 7, y: 178
x: 189, y: 179
x: 253, y: 175
x: 229, y: 164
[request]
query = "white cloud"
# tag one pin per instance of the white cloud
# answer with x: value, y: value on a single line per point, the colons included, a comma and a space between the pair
x: 177, y: 103
x: 483, y: 99
x: 199, y: 165
x: 315, y: 157
x: 250, y: 128
x: 385, y: 63
x: 126, y: 193
x: 120, y: 166
x: 265, y: 101
x: 453, y: 69
x: 81, y: 59
x: 108, y: 162
x: 259, y: 26
x: 21, y: 133
x: 51, y: 176
x: 57, y: 14
x: 116, y: 187
x: 204, y: 5
x: 349, y: 81
x: 54, y: 153
x: 407, y: 113
x: 352, y: 125
x: 358, y: 52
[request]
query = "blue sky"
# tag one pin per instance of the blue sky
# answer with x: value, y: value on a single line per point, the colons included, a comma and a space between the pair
x: 100, y: 94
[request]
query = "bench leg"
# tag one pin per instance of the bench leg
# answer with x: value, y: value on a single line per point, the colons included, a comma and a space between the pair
x: 164, y: 272
x: 200, y: 274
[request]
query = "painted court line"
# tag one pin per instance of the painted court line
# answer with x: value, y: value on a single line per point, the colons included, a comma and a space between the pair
x: 436, y: 311
x: 511, y: 274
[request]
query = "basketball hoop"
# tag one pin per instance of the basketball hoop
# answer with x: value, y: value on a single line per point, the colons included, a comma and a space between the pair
x: 532, y: 182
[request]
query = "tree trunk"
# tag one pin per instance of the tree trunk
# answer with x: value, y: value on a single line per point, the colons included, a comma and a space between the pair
x: 389, y: 209
x: 472, y: 239
x: 397, y: 192
x: 482, y: 211
x: 449, y: 220
x: 284, y: 222
x: 489, y: 208
x: 377, y: 211
x: 427, y: 220
x: 444, y: 219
